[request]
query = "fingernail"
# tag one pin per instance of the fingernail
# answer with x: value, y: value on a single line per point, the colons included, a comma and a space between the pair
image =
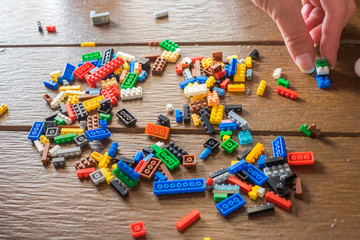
x: 333, y: 66
x: 306, y: 63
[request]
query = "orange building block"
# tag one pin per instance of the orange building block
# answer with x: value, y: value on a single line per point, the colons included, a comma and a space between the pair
x: 157, y: 130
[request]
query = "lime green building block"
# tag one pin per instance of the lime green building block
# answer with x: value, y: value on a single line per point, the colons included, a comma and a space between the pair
x: 223, y: 133
x: 156, y: 148
x: 105, y: 116
x: 65, y: 138
x: 169, y: 45
x: 91, y: 56
x: 305, y: 130
x: 218, y: 197
x: 59, y: 120
x: 130, y: 81
x: 125, y: 178
x: 168, y: 159
x: 282, y: 82
x: 229, y: 145
x: 322, y: 63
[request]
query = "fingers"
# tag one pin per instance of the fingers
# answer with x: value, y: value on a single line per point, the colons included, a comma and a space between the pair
x: 315, y: 18
x: 306, y: 10
x: 316, y: 34
x: 357, y: 67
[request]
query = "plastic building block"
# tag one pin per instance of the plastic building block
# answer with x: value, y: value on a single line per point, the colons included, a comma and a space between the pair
x: 171, y: 56
x: 206, y: 124
x: 261, y: 88
x: 108, y: 82
x: 242, y: 123
x: 113, y: 148
x: 126, y: 118
x: 157, y: 130
x: 108, y: 55
x: 97, y: 177
x: 163, y: 121
x: 97, y: 134
x: 103, y: 71
x: 51, y: 84
x: 159, y: 66
x: 128, y: 170
x: 281, y: 202
x: 168, y: 159
x: 137, y: 229
x: 212, y: 144
x: 83, y: 173
x: 228, y: 126
x: 54, y: 150
x: 179, y: 186
x: 225, y: 133
x: 176, y: 150
x: 59, y: 162
x: 50, y: 28
x: 61, y: 119
x: 159, y: 176
x: 233, y: 67
x: 165, y: 171
x: 248, y: 62
x: 277, y: 73
x: 322, y: 69
x: 150, y: 168
x: 36, y: 131
x: 201, y: 79
x: 229, y: 145
x: 93, y: 122
x: 51, y: 132
x: 187, y: 82
x: 161, y: 14
x: 46, y: 96
x: 224, y: 85
x: 186, y: 113
x: 210, y: 81
x: 255, y: 153
x: 188, y: 219
x: 222, y: 178
x: 129, y: 81
x: 240, y: 73
x: 85, y: 162
x: 213, y: 98
x: 277, y: 170
x: 248, y: 75
x: 315, y: 132
x: 297, y: 187
x: 230, y: 204
x: 279, y: 147
x: 99, y: 18
x: 274, y: 161
x: 39, y: 26
x: 282, y: 82
x: 44, y: 139
x: 286, y: 92
x: 206, y: 62
x: 56, y: 101
x: 83, y: 70
x: 169, y: 108
x: 169, y: 45
x: 236, y: 87
x: 189, y: 161
x: 195, y: 90
x: 131, y: 93
x: 68, y: 152
x: 87, y: 44
x: 253, y: 194
x: 178, y: 115
x: 216, y: 114
x: 205, y: 153
x: 220, y: 91
x: 65, y: 138
x: 239, y: 166
x: 68, y: 72
x: 261, y: 161
x: 44, y: 152
x: 226, y: 188
x: 305, y: 130
x: 39, y: 146
x: 261, y: 209
x: 119, y: 187
x: 112, y: 93
x: 218, y: 172
x: 80, y: 111
x: 93, y: 103
x: 245, y: 137
x: 323, y: 81
x: 255, y: 175
x: 218, y: 197
x: 125, y: 178
x: 300, y: 158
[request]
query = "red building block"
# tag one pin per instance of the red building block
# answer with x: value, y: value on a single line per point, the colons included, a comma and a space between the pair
x: 111, y: 92
x: 281, y: 202
x: 71, y: 112
x: 225, y: 83
x: 243, y: 185
x: 286, y: 92
x: 140, y: 165
x: 179, y: 69
x: 300, y: 158
x: 157, y: 130
x: 103, y: 71
x: 220, y: 74
x: 187, y: 220
x: 50, y: 28
x: 83, y: 173
x: 81, y: 71
x: 199, y: 58
x: 137, y: 229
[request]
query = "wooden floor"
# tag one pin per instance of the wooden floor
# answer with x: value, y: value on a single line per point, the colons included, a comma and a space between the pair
x: 45, y: 203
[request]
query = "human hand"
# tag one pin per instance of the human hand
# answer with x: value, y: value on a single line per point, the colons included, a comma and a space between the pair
x: 313, y: 22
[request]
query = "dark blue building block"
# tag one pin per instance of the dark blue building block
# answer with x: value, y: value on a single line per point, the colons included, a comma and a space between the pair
x: 201, y: 79
x: 228, y: 126
x: 51, y: 84
x: 97, y: 134
x: 113, y: 148
x: 132, y: 67
x: 103, y: 123
x: 178, y: 115
x: 186, y: 82
x: 68, y: 72
x: 93, y: 62
x: 255, y: 175
x: 278, y: 146
x: 230, y: 204
x: 261, y: 161
x: 245, y: 137
x: 36, y: 131
x: 239, y: 166
x: 322, y: 81
x: 142, y: 76
x: 233, y: 66
x: 99, y: 63
x: 159, y: 176
x: 226, y: 68
x: 179, y: 186
x: 150, y: 155
x: 138, y: 156
x: 128, y: 170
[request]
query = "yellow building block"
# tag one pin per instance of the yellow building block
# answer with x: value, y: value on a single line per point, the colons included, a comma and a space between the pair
x: 114, y: 166
x: 87, y: 44
x: 226, y: 137
x: 97, y: 156
x: 107, y: 83
x: 255, y: 153
x: 236, y: 87
x: 234, y: 161
x: 197, y: 97
x: 73, y: 99
x: 231, y: 57
x: 119, y: 70
x: 78, y: 131
x: 72, y: 87
x: 217, y: 113
x: 93, y: 103
x: 248, y: 62
x: 105, y: 160
x: 210, y: 81
x: 55, y: 75
x: 207, y: 238
x: 3, y: 108
x: 108, y: 175
x: 74, y: 92
x: 126, y: 65
x: 170, y: 56
x: 207, y: 62
x: 240, y: 73
x: 261, y: 88
x: 254, y: 192
x: 44, y: 139
x: 196, y: 119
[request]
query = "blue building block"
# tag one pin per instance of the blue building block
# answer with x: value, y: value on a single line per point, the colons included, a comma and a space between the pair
x: 68, y: 72
x: 255, y: 175
x: 261, y: 161
x: 103, y: 123
x: 36, y: 131
x: 138, y: 156
x: 322, y: 81
x: 128, y: 170
x: 159, y: 176
x: 132, y: 67
x: 150, y: 155
x: 228, y: 126
x: 93, y: 62
x: 220, y: 91
x: 51, y: 84
x: 278, y: 146
x: 232, y: 67
x: 239, y: 166
x: 179, y: 186
x: 142, y: 76
x: 205, y: 153
x: 99, y: 63
x: 95, y: 91
x: 113, y: 148
x: 201, y: 79
x: 186, y: 82
x: 230, y: 204
x: 226, y: 68
x: 178, y: 115
x: 60, y: 81
x: 93, y: 70
x: 245, y: 137
x: 97, y: 134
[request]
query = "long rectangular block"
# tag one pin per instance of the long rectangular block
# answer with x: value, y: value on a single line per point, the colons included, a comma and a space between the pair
x: 179, y: 186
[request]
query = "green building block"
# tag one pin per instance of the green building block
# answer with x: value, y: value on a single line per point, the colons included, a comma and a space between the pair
x: 223, y: 133
x: 91, y: 56
x: 322, y: 63
x: 156, y: 148
x: 105, y: 116
x: 229, y: 145
x: 65, y: 138
x: 129, y: 81
x: 170, y: 160
x: 218, y: 197
x: 169, y: 45
x: 282, y: 82
x: 59, y: 120
x: 305, y: 130
x: 125, y: 178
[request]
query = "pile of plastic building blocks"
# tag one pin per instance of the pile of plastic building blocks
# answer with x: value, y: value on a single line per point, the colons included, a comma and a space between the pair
x: 81, y: 116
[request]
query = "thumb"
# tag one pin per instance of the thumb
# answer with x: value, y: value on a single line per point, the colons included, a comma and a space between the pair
x: 288, y: 17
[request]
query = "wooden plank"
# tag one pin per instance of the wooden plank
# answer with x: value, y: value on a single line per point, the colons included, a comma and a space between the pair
x: 189, y: 21
x: 49, y: 203
x: 332, y: 110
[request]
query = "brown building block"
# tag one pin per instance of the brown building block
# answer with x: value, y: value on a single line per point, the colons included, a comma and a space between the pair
x: 165, y: 171
x: 152, y: 56
x: 88, y: 96
x: 196, y: 71
x: 123, y: 75
x: 47, y: 98
x: 297, y: 187
x: 215, y: 68
x: 189, y: 161
x: 208, y: 71
x: 315, y: 131
x: 85, y: 162
x: 150, y: 168
x: 159, y: 66
x: 198, y: 105
x: 93, y: 122
x: 45, y: 158
x: 217, y: 56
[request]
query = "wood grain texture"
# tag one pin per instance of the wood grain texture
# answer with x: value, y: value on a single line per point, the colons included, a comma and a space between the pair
x: 333, y: 110
x: 46, y: 203
x: 133, y: 22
